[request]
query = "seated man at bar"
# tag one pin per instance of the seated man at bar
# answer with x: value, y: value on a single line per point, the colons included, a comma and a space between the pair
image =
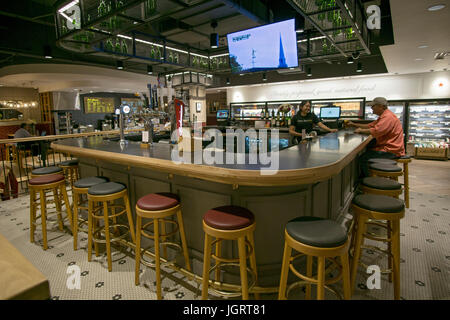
x: 388, y: 132
x: 305, y: 119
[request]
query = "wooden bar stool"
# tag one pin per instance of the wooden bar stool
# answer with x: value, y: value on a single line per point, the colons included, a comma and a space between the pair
x: 382, y: 160
x: 368, y: 207
x: 158, y: 206
x: 41, y: 185
x: 46, y: 171
x: 229, y: 223
x: 405, y: 160
x: 385, y: 170
x: 104, y: 193
x: 382, y: 186
x: 70, y: 169
x: 81, y: 187
x: 315, y: 237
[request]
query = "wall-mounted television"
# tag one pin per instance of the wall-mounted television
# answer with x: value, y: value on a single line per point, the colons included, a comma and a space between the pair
x: 222, y: 114
x: 272, y: 46
x: 330, y: 112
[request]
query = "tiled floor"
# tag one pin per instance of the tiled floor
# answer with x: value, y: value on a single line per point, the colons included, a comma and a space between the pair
x: 425, y: 252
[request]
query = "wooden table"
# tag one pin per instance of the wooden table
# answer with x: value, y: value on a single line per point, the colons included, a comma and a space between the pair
x: 19, y: 279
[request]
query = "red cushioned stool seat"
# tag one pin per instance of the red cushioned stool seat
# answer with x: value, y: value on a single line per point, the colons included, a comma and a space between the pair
x: 158, y: 201
x: 229, y: 218
x: 46, y: 179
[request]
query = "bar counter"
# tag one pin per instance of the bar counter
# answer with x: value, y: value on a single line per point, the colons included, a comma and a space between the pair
x: 314, y: 178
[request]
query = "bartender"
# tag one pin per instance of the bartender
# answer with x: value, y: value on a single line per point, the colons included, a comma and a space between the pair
x: 305, y: 119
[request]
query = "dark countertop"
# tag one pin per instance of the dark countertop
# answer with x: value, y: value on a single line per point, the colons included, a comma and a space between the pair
x: 322, y: 156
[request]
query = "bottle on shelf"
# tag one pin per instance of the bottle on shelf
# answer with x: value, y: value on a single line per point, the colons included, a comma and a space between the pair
x: 277, y: 122
x: 272, y: 123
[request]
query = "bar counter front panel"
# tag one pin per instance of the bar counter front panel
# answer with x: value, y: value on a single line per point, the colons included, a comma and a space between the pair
x: 314, y: 178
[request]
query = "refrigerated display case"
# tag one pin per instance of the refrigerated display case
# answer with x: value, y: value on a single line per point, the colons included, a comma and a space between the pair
x: 398, y: 108
x: 351, y: 108
x: 429, y: 124
x: 247, y: 110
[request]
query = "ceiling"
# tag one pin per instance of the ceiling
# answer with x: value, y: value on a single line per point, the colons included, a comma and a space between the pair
x: 415, y: 28
x: 27, y: 25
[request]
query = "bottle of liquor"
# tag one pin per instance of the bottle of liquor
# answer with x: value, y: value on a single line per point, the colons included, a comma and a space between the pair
x: 277, y: 122
x: 289, y: 120
x: 272, y: 123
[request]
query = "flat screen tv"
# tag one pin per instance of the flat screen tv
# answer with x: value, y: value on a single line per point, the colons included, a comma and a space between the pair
x: 272, y: 46
x: 330, y: 112
x: 222, y: 114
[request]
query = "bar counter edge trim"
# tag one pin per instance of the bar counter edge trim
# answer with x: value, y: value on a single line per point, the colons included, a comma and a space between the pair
x: 218, y: 174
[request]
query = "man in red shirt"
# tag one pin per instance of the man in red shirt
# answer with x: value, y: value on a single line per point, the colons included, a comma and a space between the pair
x: 388, y: 132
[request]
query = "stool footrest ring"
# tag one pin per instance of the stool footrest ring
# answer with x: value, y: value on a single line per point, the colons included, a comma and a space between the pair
x: 213, y: 286
x: 97, y: 239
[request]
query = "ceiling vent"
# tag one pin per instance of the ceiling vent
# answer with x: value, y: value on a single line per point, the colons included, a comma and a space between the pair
x: 441, y: 55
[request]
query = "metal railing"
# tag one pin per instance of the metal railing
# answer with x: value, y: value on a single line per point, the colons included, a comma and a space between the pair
x: 19, y: 157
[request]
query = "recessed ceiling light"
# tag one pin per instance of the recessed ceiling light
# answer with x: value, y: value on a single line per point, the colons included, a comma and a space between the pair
x: 422, y: 47
x: 436, y: 7
x: 418, y: 59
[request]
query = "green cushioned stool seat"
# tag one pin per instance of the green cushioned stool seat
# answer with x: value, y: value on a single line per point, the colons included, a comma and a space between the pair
x: 72, y: 162
x: 381, y: 160
x: 317, y: 232
x: 89, y: 182
x: 378, y: 203
x: 106, y: 188
x: 381, y: 183
x: 385, y: 167
x: 46, y: 170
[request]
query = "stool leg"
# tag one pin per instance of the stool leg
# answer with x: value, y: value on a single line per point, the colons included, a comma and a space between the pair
x: 346, y: 276
x: 75, y: 220
x: 389, y: 244
x: 32, y: 214
x: 243, y: 267
x: 107, y: 235
x: 90, y: 227
x: 130, y: 218
x: 58, y: 208
x: 163, y: 231
x: 361, y: 229
x: 137, y: 250
x: 253, y: 260
x: 396, y: 257
x: 183, y: 240
x: 44, y: 217
x: 67, y: 203
x: 320, y: 278
x: 157, y: 257
x: 406, y: 184
x: 309, y: 265
x: 284, y: 271
x: 218, y: 254
x: 206, y: 266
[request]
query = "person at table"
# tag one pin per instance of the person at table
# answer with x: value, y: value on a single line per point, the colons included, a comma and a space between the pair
x: 387, y: 131
x: 22, y: 132
x: 305, y: 119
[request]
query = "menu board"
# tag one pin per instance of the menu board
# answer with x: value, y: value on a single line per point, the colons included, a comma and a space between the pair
x: 134, y: 103
x: 98, y: 105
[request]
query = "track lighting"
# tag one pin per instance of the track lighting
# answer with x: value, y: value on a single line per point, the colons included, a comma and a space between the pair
x: 349, y: 60
x: 264, y: 77
x: 359, y: 67
x: 228, y: 80
x: 214, y: 37
x: 308, y: 72
x: 119, y: 65
x: 149, y: 69
x: 48, y: 52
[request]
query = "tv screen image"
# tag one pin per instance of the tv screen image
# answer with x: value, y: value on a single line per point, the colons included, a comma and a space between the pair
x: 222, y: 114
x: 272, y: 46
x: 330, y: 112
